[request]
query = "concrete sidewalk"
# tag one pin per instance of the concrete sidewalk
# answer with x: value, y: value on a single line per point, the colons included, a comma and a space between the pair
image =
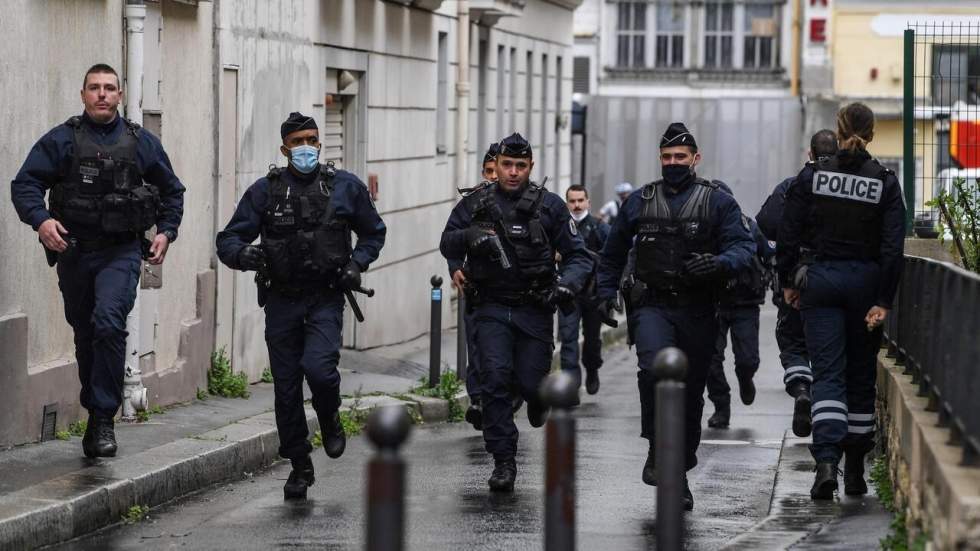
x: 50, y: 493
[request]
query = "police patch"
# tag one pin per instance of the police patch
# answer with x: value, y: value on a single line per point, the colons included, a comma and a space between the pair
x: 572, y: 226
x: 848, y: 186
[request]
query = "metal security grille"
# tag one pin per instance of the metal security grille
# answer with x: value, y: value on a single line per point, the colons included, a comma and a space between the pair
x: 580, y: 75
x: 941, y: 116
x: 333, y: 134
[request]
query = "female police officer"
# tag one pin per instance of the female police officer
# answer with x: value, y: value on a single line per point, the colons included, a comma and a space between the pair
x: 840, y: 258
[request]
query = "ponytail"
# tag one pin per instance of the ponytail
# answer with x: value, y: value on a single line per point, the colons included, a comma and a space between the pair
x: 855, y: 127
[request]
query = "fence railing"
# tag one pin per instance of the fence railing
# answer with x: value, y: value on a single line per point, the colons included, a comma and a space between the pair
x: 934, y: 331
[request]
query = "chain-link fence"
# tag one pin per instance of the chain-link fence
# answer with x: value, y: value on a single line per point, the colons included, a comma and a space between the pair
x: 942, y: 123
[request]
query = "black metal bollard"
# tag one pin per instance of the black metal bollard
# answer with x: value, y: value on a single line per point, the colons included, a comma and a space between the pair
x: 559, y: 391
x: 435, y: 332
x: 670, y: 368
x: 387, y: 427
x: 462, y: 352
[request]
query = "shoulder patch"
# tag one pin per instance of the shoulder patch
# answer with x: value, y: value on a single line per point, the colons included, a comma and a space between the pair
x: 847, y: 186
x: 745, y: 224
x: 572, y: 226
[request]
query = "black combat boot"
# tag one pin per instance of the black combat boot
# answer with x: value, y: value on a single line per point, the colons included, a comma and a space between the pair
x: 802, y: 424
x: 688, y: 498
x: 650, y: 468
x: 100, y: 437
x: 334, y: 439
x: 719, y: 419
x: 825, y: 482
x: 591, y: 380
x: 474, y: 414
x: 537, y: 413
x: 854, y: 484
x: 300, y: 478
x: 504, y: 473
x: 746, y: 388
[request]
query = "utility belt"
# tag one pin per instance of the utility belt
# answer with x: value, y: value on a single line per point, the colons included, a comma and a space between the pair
x: 79, y: 245
x: 515, y: 299
x: 639, y: 294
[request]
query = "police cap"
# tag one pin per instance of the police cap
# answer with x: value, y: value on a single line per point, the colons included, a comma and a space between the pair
x: 296, y: 122
x: 678, y: 134
x: 491, y: 153
x: 515, y: 146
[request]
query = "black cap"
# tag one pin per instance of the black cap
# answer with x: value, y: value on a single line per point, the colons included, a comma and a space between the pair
x: 491, y: 152
x: 515, y: 146
x: 296, y: 122
x: 677, y: 134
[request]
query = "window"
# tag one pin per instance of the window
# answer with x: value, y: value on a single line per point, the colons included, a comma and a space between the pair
x: 760, y: 36
x: 542, y: 157
x: 529, y: 94
x: 719, y: 35
x: 512, y: 103
x: 442, y: 98
x: 631, y: 26
x: 501, y: 90
x: 670, y: 35
x: 956, y: 70
x: 481, y: 97
x: 580, y: 75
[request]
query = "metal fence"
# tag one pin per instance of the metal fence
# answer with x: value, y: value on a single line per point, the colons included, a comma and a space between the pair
x: 941, y: 114
x: 933, y: 331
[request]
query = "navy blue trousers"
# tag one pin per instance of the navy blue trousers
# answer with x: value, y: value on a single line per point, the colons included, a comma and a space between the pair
x: 304, y: 338
x: 692, y: 329
x: 792, y: 343
x: 743, y: 324
x: 834, y: 303
x: 472, y: 357
x: 515, y: 345
x: 568, y: 330
x: 99, y: 290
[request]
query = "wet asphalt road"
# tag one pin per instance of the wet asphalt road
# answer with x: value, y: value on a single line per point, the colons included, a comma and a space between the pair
x: 449, y: 506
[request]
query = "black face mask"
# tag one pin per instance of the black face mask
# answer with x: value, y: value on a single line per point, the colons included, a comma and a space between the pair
x: 676, y: 175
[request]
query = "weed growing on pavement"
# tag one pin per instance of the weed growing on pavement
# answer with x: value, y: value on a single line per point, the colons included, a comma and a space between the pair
x: 266, y: 375
x: 202, y: 394
x: 62, y: 435
x: 898, y: 537
x: 78, y: 428
x: 353, y: 420
x: 317, y: 440
x: 222, y: 381
x: 135, y: 514
x: 447, y: 389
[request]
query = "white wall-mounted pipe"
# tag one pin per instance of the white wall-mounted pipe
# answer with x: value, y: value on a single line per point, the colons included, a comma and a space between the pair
x: 462, y: 93
x: 134, y: 394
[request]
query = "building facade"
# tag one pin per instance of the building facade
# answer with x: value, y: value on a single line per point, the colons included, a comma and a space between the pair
x: 218, y: 78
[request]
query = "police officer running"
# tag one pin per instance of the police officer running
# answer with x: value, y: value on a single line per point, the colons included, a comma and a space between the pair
x: 306, y: 264
x: 509, y: 232
x: 110, y: 181
x: 689, y: 238
x: 840, y: 259
x: 584, y: 311
x: 793, y: 355
x: 738, y: 313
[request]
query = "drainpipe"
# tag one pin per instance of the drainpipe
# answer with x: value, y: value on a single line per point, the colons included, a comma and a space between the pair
x: 462, y: 91
x: 134, y: 394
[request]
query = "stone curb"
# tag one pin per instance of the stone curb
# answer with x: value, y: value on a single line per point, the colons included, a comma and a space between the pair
x: 78, y: 503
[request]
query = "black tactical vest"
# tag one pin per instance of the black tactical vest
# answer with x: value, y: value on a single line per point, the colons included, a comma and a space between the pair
x: 845, y: 215
x: 748, y: 286
x: 305, y: 243
x: 523, y: 237
x: 665, y: 239
x: 588, y: 228
x: 103, y: 193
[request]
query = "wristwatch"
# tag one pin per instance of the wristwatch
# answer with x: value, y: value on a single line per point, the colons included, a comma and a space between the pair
x: 171, y: 235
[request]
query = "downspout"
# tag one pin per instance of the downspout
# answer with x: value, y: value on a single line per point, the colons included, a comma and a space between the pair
x: 134, y: 394
x: 796, y: 50
x: 462, y: 91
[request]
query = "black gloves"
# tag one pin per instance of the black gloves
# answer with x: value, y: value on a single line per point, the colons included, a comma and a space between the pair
x: 252, y: 257
x: 350, y: 277
x: 561, y: 295
x: 477, y: 239
x: 702, y: 265
x: 605, y: 310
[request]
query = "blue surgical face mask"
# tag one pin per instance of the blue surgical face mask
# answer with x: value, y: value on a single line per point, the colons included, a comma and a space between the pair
x: 304, y: 158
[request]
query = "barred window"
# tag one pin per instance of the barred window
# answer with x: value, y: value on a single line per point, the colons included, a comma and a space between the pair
x: 631, y: 34
x: 670, y: 35
x: 719, y: 35
x: 760, y: 44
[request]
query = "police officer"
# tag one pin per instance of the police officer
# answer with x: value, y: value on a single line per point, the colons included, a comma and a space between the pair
x: 109, y: 182
x: 304, y: 215
x: 583, y: 312
x: 509, y: 233
x: 793, y: 355
x: 738, y: 313
x: 689, y: 238
x: 839, y: 259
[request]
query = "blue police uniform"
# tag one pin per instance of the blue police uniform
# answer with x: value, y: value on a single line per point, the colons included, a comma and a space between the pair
x: 789, y: 325
x: 98, y: 273
x: 841, y: 243
x: 738, y: 313
x: 667, y: 306
x: 594, y: 232
x: 472, y: 350
x: 513, y: 320
x: 304, y: 317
